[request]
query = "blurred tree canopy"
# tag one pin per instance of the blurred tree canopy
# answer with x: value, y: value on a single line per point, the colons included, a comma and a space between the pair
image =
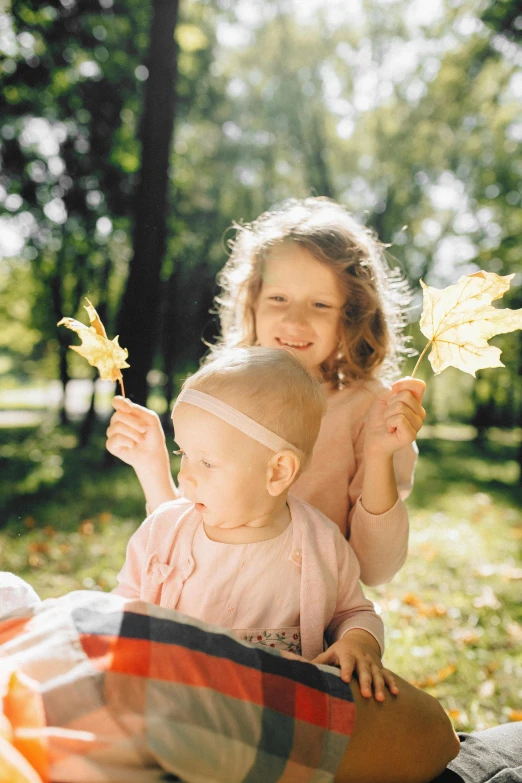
x: 407, y: 112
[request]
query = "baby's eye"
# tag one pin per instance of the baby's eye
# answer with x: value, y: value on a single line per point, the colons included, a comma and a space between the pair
x: 206, y: 464
x: 322, y: 305
x: 277, y: 298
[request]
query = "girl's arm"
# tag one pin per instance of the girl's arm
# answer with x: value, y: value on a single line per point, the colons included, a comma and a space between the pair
x: 386, y: 456
x: 393, y: 423
x: 135, y: 436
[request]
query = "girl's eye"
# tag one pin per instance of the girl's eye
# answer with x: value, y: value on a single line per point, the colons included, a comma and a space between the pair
x: 277, y: 298
x: 322, y: 306
x: 206, y: 464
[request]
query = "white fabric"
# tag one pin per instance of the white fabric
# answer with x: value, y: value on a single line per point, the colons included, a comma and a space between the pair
x: 15, y: 593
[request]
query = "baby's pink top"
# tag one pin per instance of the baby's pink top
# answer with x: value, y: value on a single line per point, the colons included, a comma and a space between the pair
x: 252, y: 589
x: 333, y: 483
x: 161, y: 563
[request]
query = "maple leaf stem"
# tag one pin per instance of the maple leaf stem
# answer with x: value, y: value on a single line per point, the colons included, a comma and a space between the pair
x: 426, y: 347
x: 120, y: 381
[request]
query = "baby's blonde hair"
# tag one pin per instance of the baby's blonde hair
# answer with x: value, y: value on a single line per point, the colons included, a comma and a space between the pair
x: 371, y: 340
x: 270, y: 386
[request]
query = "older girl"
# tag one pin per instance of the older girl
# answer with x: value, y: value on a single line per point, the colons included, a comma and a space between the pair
x: 309, y: 279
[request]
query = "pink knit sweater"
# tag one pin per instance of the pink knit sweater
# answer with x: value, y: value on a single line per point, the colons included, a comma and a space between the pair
x: 333, y: 483
x: 159, y: 561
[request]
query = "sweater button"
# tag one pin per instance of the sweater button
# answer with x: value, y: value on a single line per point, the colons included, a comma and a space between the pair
x: 296, y: 556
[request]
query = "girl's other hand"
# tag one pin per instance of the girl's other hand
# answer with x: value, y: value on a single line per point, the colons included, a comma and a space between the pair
x: 358, y: 653
x: 135, y: 434
x: 396, y: 417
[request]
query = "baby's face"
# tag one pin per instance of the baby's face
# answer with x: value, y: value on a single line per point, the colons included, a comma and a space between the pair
x: 223, y: 471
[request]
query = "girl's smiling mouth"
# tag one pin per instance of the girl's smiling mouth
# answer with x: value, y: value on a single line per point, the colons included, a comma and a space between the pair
x: 296, y: 344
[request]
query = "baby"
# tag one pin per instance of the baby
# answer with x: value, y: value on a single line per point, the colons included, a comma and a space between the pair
x: 237, y: 550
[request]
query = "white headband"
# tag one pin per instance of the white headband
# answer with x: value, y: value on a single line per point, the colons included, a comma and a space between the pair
x: 237, y: 419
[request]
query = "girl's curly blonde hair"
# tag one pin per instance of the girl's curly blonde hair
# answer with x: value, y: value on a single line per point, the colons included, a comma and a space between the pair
x: 371, y: 340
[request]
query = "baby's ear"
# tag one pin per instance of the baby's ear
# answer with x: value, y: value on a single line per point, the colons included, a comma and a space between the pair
x: 283, y: 469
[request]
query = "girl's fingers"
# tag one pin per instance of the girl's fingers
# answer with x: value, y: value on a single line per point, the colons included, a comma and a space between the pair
x: 118, y: 428
x: 402, y: 428
x: 408, y: 400
x: 125, y: 406
x: 390, y: 681
x: 118, y: 444
x: 413, y: 385
x: 121, y: 403
x: 400, y: 413
x: 129, y: 420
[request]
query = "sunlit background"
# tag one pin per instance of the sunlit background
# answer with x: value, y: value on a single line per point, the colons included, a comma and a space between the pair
x: 124, y: 161
x: 408, y: 112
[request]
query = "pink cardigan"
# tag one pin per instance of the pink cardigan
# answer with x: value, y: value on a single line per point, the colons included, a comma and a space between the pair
x: 159, y: 560
x: 333, y: 482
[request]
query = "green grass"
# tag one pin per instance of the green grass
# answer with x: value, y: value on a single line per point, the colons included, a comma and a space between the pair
x: 453, y: 614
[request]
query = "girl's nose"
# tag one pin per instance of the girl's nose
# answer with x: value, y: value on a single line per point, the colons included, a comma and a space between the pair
x: 295, y: 314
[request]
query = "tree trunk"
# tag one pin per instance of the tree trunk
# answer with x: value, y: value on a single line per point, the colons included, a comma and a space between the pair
x: 89, y: 420
x: 64, y: 378
x: 138, y: 319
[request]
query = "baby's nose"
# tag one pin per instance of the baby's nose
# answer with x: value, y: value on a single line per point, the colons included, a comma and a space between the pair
x: 185, y: 477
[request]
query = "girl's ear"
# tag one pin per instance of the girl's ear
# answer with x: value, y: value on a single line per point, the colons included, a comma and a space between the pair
x: 283, y: 469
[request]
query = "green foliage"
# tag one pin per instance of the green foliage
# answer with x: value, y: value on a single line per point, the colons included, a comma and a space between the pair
x: 411, y: 121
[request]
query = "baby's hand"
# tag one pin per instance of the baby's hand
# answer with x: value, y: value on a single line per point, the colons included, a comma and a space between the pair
x: 358, y: 652
x: 135, y: 434
x: 396, y: 417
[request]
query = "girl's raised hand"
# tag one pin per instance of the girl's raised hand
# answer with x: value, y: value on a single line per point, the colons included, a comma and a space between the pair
x: 135, y: 434
x: 396, y: 417
x: 358, y: 653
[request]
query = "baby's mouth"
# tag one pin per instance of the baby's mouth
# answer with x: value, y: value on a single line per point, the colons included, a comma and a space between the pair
x: 297, y: 345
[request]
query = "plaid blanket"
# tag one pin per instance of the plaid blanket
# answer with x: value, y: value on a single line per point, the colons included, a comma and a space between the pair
x: 134, y: 693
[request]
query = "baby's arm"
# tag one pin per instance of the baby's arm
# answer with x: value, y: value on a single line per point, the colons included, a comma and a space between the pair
x: 357, y: 631
x: 135, y: 436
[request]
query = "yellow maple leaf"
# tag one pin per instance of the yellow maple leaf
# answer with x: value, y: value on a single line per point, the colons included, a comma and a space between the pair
x: 459, y: 320
x: 104, y: 354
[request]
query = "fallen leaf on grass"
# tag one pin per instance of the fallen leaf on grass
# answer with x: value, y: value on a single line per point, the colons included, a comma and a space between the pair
x: 86, y: 527
x: 465, y: 636
x: 434, y: 679
x: 515, y: 715
x: 454, y: 714
x: 104, y: 354
x: 423, y: 609
x: 459, y: 320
